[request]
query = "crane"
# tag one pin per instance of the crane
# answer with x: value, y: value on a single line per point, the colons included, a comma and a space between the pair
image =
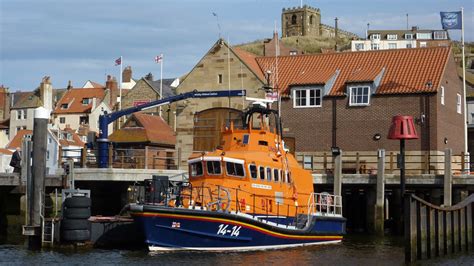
x: 107, y: 118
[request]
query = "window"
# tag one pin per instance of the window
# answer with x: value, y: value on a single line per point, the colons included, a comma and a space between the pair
x: 85, y: 101
x: 196, y: 169
x: 47, y: 155
x: 288, y: 177
x: 409, y: 45
x: 409, y: 36
x: 64, y: 106
x: 359, y: 95
x: 311, y: 19
x: 213, y: 167
x: 253, y: 171
x: 442, y: 95
x: 458, y: 104
x: 293, y: 52
x: 308, y: 162
x: 246, y: 139
x: 440, y: 35
x: 375, y: 36
x: 392, y: 37
x: 392, y: 45
x: 293, y: 19
x: 359, y: 47
x: 261, y: 172
x: 219, y: 78
x: 83, y: 120
x: 235, y: 169
x: 307, y: 97
x: 374, y: 46
x: 423, y: 36
x: 62, y: 120
x: 269, y: 174
x: 422, y: 44
x: 276, y: 175
x: 21, y: 114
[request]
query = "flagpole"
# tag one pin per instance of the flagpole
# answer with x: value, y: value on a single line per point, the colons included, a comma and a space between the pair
x: 161, y: 80
x: 120, y: 89
x: 464, y: 84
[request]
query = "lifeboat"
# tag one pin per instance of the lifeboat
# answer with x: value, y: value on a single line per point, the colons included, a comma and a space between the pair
x: 249, y: 193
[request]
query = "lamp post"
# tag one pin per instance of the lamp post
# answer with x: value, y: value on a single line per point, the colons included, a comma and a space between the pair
x: 402, y: 128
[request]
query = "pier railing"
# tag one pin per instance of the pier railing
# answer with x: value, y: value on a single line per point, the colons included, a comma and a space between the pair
x: 434, y: 231
x: 146, y: 158
x: 366, y: 162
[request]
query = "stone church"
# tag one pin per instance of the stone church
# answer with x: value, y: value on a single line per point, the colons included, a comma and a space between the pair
x: 306, y: 21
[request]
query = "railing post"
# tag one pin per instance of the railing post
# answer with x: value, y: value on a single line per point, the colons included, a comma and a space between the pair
x: 60, y: 156
x: 463, y: 162
x: 325, y: 163
x: 357, y: 163
x: 391, y: 162
x: 146, y: 157
x: 83, y: 156
x: 448, y: 178
x: 338, y: 174
x: 111, y: 155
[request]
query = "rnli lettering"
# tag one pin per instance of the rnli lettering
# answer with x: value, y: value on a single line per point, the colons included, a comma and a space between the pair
x: 261, y: 186
x: 225, y: 230
x: 176, y: 225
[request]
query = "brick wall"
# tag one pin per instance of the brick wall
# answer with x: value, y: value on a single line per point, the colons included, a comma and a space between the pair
x: 204, y: 76
x: 141, y: 92
x: 312, y: 128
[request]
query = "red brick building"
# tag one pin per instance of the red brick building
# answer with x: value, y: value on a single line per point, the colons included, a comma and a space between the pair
x: 348, y: 99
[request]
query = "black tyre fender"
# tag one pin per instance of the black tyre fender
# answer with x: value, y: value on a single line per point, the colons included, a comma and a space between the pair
x: 77, y: 213
x: 77, y: 202
x: 75, y: 224
x: 76, y: 235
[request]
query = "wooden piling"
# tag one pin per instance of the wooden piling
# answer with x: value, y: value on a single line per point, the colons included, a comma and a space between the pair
x: 448, y: 178
x: 455, y: 227
x: 410, y: 229
x: 338, y: 174
x: 440, y: 233
x: 423, y: 235
x: 431, y: 233
x: 469, y: 230
x: 380, y: 193
x: 462, y: 229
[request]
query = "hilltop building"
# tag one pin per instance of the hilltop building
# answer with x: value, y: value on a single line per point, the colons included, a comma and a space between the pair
x: 398, y: 39
x: 306, y: 21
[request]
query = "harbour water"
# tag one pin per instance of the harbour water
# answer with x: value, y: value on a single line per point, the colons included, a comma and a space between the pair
x: 355, y: 250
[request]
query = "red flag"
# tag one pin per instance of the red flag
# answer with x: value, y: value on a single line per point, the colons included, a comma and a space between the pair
x: 118, y: 61
x: 158, y: 58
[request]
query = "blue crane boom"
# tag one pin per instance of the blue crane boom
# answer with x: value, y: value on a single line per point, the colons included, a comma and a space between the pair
x: 106, y: 119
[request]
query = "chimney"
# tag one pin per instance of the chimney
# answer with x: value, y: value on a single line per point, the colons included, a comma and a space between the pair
x: 69, y: 85
x: 94, y: 103
x: 46, y: 93
x: 414, y: 28
x: 127, y: 74
x: 112, y: 86
x: 149, y: 77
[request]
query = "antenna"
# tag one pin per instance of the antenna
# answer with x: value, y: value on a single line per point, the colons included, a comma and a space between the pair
x: 218, y: 25
x: 407, y: 21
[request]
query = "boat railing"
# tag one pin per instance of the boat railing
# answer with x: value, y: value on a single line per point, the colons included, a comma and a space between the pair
x: 324, y: 204
x: 213, y: 197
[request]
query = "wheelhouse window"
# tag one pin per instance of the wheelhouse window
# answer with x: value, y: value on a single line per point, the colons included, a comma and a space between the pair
x: 196, y: 169
x: 213, y: 167
x: 276, y: 175
x: 359, y: 96
x: 235, y: 169
x: 269, y: 174
x: 261, y: 172
x: 288, y: 177
x: 311, y: 97
x: 253, y: 171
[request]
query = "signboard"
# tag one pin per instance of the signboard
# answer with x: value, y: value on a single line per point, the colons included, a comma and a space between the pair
x: 140, y: 102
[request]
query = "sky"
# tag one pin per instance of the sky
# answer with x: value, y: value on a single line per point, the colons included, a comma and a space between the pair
x: 80, y: 40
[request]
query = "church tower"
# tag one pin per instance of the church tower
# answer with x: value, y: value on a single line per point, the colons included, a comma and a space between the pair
x: 301, y: 21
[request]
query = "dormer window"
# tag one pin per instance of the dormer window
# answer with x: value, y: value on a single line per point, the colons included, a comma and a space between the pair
x: 310, y: 97
x: 408, y: 36
x: 375, y: 36
x: 359, y: 96
x: 86, y: 101
x: 64, y: 106
x: 392, y: 37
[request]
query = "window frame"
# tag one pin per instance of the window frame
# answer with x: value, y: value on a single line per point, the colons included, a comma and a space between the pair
x: 439, y: 32
x: 256, y: 171
x: 207, y: 167
x: 277, y: 177
x: 408, y: 34
x: 351, y: 92
x: 375, y: 36
x: 392, y: 37
x: 202, y: 169
x: 268, y: 174
x: 424, y: 36
x: 227, y: 169
x: 260, y: 177
x: 374, y: 46
x: 307, y: 97
x: 442, y: 96
x: 393, y: 44
x: 63, y: 119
